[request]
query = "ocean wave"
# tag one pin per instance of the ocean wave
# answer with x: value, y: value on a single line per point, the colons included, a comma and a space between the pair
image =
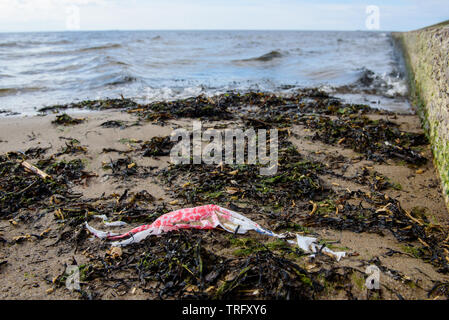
x: 13, y: 91
x: 390, y: 85
x: 83, y: 50
x: 172, y: 93
x: 9, y: 45
x: 107, y: 61
x: 248, y: 44
x: 96, y: 63
x: 111, y: 79
x: 59, y: 66
x: 263, y: 58
x: 98, y: 48
x: 326, y: 74
x: 121, y: 80
x: 21, y: 44
x: 23, y: 54
x: 150, y: 94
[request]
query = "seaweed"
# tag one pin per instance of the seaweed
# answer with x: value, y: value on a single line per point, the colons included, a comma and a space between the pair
x: 384, y: 213
x: 157, y: 146
x: 439, y: 288
x: 34, y: 153
x: 72, y: 147
x: 118, y: 124
x: 126, y: 167
x: 201, y: 107
x: 114, y: 124
x: 180, y: 265
x: 271, y: 107
x: 8, y: 113
x: 264, y: 274
x: 71, y: 171
x: 212, y: 264
x: 377, y: 140
x: 21, y: 189
x: 102, y: 104
x: 66, y: 120
x: 296, y: 179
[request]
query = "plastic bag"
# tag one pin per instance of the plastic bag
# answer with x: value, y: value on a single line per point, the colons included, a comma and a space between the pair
x: 204, y: 217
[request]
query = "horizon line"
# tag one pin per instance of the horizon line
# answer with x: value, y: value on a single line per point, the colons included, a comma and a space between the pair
x: 158, y: 30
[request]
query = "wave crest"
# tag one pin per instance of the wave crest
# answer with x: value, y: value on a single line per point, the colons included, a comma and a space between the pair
x: 388, y: 85
x: 264, y: 58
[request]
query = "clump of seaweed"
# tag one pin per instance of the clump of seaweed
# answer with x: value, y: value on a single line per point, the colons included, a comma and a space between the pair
x: 296, y: 179
x: 271, y: 107
x: 440, y: 288
x: 103, y: 104
x: 302, y: 101
x: 33, y: 153
x: 368, y: 177
x: 113, y: 124
x: 265, y: 274
x: 157, y: 146
x: 127, y: 207
x: 21, y: 189
x: 200, y: 107
x: 8, y: 113
x: 72, y: 147
x: 383, y: 213
x: 377, y: 140
x: 181, y: 265
x: 71, y: 171
x: 118, y: 124
x: 126, y: 167
x: 66, y: 120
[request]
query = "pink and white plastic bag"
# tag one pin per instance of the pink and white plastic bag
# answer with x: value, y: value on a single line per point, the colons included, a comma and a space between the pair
x: 204, y: 217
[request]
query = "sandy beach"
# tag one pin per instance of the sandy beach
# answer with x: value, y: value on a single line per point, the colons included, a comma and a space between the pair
x: 37, y: 243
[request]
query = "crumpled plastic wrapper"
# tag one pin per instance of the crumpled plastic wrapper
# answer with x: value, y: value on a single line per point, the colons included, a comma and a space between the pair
x: 110, y: 224
x: 204, y: 217
x: 309, y: 244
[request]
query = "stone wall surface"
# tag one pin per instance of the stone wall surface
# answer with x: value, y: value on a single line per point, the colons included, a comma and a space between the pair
x: 426, y: 53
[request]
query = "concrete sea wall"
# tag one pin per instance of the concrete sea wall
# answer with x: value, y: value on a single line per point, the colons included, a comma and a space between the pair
x: 426, y: 53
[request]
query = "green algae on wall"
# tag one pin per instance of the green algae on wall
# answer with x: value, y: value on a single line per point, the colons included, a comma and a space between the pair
x: 426, y: 52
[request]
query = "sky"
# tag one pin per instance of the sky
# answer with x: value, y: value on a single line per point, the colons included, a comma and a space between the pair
x: 62, y: 15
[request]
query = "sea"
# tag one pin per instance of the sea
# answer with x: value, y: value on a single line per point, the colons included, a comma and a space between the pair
x: 48, y: 68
